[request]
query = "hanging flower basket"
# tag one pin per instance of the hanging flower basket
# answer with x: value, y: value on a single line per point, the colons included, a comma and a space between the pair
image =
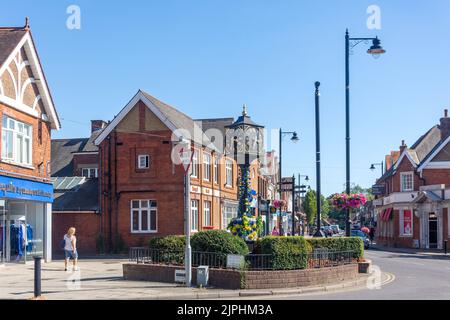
x: 279, y: 203
x: 341, y: 201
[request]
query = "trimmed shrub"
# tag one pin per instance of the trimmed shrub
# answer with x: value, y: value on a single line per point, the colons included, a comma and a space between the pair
x: 170, y: 243
x: 354, y: 244
x: 287, y: 252
x: 218, y: 241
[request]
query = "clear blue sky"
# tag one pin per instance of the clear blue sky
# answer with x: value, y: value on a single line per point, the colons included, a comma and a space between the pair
x: 209, y: 57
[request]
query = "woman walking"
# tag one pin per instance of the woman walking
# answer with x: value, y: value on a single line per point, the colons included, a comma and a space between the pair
x: 70, y: 248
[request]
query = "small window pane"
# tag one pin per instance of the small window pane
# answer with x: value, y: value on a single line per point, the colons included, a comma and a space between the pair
x: 135, y: 204
x: 144, y: 204
x: 153, y: 204
x: 92, y: 173
x: 136, y: 220
x: 11, y: 124
x: 153, y: 220
x: 5, y: 122
x: 144, y: 223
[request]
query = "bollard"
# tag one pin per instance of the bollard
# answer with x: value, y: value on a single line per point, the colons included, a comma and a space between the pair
x: 37, y: 277
x: 445, y: 246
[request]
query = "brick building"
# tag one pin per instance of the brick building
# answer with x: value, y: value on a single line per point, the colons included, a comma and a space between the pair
x: 75, y: 166
x: 28, y: 116
x: 413, y: 211
x: 141, y: 189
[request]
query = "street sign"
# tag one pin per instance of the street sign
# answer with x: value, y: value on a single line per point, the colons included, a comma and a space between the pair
x: 180, y: 276
x: 378, y: 189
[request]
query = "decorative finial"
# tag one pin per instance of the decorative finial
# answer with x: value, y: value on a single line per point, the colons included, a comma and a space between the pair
x: 244, y: 110
x: 27, y: 23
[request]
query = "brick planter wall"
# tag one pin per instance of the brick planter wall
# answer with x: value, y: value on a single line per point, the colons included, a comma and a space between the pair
x: 233, y: 279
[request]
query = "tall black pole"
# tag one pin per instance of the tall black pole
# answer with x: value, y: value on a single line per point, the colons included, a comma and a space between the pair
x: 280, y: 181
x: 318, y: 191
x: 347, y: 127
x: 293, y: 205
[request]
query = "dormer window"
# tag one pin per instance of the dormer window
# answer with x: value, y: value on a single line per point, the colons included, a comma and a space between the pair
x: 406, y: 181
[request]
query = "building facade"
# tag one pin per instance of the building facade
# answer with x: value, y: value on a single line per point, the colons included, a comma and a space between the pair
x: 413, y: 209
x: 142, y: 187
x: 28, y: 116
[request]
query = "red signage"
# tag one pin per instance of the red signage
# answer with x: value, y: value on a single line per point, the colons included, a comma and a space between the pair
x: 407, y: 222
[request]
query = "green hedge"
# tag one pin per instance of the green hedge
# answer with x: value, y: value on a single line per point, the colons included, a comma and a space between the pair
x: 287, y: 252
x: 218, y: 241
x: 171, y: 243
x: 339, y: 244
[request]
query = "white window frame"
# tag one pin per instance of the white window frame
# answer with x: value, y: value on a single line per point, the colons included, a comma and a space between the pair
x: 401, y: 220
x: 146, y: 158
x: 216, y: 170
x: 229, y: 212
x: 194, y: 214
x: 229, y: 173
x: 402, y: 176
x: 149, y: 210
x: 89, y: 175
x: 15, y: 159
x: 207, y: 214
x: 206, y: 167
x: 194, y: 165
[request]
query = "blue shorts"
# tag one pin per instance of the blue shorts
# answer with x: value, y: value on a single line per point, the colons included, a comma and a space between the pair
x: 69, y: 254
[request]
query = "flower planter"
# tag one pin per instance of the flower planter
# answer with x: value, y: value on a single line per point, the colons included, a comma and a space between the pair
x: 363, y: 266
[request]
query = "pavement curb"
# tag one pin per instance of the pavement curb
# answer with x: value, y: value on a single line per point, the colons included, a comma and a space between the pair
x: 264, y: 293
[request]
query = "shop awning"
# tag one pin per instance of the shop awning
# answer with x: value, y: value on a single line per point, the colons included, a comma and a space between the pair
x: 386, y: 214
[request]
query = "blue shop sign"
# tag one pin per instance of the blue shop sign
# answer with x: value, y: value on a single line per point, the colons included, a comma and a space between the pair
x: 14, y: 188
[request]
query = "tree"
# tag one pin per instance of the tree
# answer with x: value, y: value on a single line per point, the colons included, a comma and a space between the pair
x: 310, y: 207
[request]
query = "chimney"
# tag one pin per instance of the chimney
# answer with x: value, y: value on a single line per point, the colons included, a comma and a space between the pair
x: 403, y: 146
x: 97, y: 125
x: 445, y: 125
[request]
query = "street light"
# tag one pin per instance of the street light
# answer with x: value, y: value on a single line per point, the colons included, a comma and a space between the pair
x: 319, y: 232
x: 375, y: 50
x: 294, y: 139
x: 381, y: 164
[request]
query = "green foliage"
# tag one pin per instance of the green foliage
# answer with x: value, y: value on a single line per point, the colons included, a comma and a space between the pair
x: 119, y: 245
x: 218, y: 241
x: 354, y: 244
x: 358, y: 189
x: 287, y: 252
x: 100, y: 243
x: 171, y: 243
x: 310, y: 206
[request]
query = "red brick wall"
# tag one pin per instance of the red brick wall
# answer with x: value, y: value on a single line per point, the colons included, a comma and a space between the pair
x: 84, y: 159
x: 41, y: 147
x: 233, y: 279
x: 87, y: 227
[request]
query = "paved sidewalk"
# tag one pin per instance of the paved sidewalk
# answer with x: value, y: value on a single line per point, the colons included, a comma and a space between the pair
x: 102, y: 279
x: 431, y: 253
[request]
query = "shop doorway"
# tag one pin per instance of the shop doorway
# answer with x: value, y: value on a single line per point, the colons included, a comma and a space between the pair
x: 433, y: 231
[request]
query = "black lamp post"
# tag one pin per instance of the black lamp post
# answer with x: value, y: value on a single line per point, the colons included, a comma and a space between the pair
x: 295, y: 139
x: 381, y: 164
x: 375, y: 50
x: 319, y: 232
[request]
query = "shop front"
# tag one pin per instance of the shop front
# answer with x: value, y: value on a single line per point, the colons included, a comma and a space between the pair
x: 25, y: 219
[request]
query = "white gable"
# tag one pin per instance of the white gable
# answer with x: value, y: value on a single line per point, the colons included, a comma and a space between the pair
x: 14, y: 67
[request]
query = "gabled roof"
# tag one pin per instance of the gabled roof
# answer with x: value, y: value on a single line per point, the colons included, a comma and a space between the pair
x: 63, y: 151
x: 12, y: 40
x: 434, y: 153
x: 172, y: 118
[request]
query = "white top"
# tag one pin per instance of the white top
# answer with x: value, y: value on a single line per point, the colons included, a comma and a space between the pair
x: 68, y: 241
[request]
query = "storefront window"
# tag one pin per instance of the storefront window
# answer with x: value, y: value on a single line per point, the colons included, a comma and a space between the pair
x: 229, y: 213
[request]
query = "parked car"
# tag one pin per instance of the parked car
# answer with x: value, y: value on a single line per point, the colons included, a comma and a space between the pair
x: 363, y: 236
x: 335, y: 228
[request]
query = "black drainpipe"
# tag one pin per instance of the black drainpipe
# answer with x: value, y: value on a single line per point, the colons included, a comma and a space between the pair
x: 109, y: 194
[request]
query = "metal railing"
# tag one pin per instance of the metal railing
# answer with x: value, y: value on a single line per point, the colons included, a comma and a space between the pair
x: 319, y: 258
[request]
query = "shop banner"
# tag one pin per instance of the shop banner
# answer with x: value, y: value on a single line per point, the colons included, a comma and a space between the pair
x: 407, y: 222
x: 15, y: 188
